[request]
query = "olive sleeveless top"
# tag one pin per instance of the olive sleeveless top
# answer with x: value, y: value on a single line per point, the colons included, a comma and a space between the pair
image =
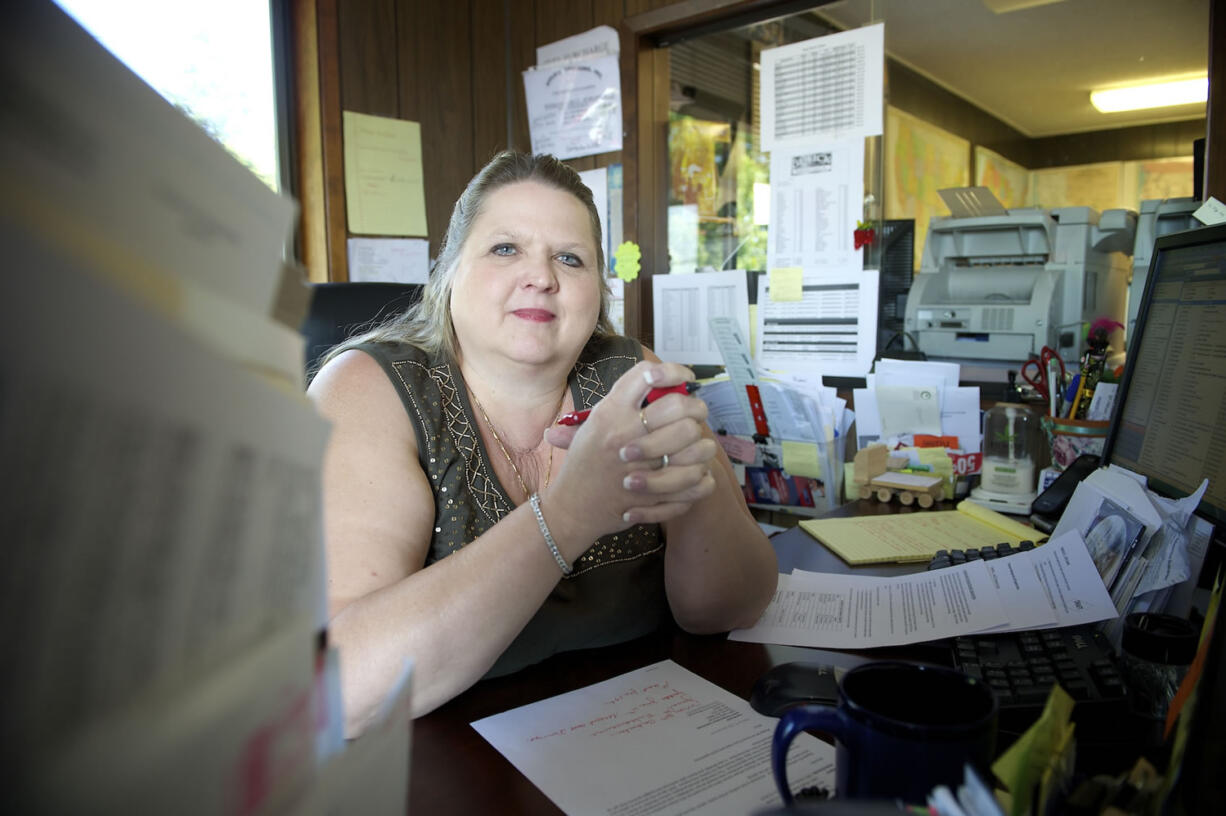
x: 616, y: 592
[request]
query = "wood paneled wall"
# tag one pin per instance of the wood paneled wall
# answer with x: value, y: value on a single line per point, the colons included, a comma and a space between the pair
x: 444, y: 64
x: 447, y: 65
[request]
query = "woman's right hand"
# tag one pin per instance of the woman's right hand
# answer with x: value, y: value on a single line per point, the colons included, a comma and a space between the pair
x: 613, y: 475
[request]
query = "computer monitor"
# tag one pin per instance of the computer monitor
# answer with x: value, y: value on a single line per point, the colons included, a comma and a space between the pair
x: 896, y: 253
x: 1169, y: 424
x: 1169, y: 421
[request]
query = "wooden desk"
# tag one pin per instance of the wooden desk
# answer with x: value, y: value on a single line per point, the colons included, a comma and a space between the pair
x: 454, y: 770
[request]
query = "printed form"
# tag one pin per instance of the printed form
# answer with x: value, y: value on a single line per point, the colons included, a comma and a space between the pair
x: 662, y: 740
x: 1055, y: 584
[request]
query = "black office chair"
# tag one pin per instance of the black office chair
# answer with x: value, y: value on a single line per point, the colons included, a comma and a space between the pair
x: 341, y: 310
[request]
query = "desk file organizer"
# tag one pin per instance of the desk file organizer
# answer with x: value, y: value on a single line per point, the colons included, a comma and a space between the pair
x: 795, y: 474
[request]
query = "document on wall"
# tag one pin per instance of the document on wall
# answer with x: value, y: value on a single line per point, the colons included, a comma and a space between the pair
x: 831, y: 330
x: 575, y: 108
x: 665, y: 741
x: 601, y: 41
x: 384, y: 187
x: 598, y: 182
x: 684, y: 305
x: 817, y: 196
x: 825, y: 87
x: 839, y: 611
x: 398, y: 260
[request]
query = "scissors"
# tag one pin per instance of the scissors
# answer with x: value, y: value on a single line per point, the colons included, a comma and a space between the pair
x: 1035, y: 371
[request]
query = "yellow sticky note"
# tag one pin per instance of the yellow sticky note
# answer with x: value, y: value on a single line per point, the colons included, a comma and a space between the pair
x: 941, y: 465
x: 626, y: 260
x: 786, y: 283
x: 800, y: 459
x: 753, y: 330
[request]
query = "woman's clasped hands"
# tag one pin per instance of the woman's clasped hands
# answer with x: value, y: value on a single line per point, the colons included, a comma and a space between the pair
x: 633, y: 464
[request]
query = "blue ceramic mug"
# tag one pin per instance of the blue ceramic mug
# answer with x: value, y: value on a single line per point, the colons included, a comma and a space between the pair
x: 900, y: 730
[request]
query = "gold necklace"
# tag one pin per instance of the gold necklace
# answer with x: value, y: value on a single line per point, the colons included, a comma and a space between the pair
x: 518, y: 476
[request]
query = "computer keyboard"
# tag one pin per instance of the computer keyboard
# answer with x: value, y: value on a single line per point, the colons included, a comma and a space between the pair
x: 950, y: 558
x: 1021, y: 667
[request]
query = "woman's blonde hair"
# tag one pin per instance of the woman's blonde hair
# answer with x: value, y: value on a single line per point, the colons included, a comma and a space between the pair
x: 427, y: 323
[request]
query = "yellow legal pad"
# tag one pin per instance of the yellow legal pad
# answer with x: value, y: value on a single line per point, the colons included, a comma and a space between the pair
x: 916, y: 536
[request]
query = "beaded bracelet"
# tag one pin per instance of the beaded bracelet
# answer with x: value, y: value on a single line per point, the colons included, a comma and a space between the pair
x: 535, y: 500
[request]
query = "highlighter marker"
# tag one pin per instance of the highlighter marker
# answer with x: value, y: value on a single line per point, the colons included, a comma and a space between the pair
x: 577, y: 417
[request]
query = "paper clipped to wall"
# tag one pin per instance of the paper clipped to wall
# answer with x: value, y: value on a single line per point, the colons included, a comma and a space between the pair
x: 825, y: 87
x: 384, y: 186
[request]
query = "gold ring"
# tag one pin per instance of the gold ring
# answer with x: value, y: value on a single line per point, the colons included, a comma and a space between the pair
x: 643, y: 420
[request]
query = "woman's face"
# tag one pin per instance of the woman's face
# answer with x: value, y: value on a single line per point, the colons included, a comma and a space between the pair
x: 526, y: 284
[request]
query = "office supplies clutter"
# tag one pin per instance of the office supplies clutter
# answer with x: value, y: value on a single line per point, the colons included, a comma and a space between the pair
x: 1070, y: 438
x: 1142, y: 545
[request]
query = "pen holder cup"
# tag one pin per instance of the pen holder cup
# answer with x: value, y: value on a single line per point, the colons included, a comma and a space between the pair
x: 1069, y: 438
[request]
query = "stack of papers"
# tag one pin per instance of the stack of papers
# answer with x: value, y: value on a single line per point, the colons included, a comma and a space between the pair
x: 1148, y: 550
x: 165, y: 578
x: 906, y: 398
x: 1050, y: 586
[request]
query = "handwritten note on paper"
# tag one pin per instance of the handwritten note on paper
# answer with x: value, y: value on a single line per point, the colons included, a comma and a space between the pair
x: 384, y: 192
x: 658, y: 740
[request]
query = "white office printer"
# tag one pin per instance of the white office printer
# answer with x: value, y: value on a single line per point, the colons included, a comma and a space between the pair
x: 1159, y: 216
x: 1000, y: 287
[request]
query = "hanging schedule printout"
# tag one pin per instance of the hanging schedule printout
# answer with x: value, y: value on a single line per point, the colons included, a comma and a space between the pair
x: 826, y: 87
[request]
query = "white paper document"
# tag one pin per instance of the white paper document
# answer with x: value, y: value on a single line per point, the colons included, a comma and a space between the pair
x: 598, y: 182
x: 827, y: 87
x: 831, y: 330
x: 601, y: 41
x: 575, y: 108
x: 959, y: 417
x: 684, y: 305
x: 817, y: 196
x: 399, y: 260
x: 909, y: 409
x: 1052, y: 585
x: 662, y: 740
x: 839, y: 611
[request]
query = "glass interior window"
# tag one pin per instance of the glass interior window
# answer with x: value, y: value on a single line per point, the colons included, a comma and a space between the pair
x: 718, y: 192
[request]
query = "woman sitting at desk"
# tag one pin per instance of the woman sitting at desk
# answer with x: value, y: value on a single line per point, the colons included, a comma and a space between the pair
x: 465, y: 529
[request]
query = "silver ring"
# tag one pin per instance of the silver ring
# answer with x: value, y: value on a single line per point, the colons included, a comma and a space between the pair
x: 643, y: 420
x: 665, y: 462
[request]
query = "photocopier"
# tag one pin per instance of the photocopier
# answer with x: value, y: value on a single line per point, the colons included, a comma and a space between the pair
x: 1001, y: 287
x: 1158, y: 217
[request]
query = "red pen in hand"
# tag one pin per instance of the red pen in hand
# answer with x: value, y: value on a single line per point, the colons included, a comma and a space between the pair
x: 577, y: 417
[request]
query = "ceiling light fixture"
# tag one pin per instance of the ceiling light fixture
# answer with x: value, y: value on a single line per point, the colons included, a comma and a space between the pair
x: 1153, y: 95
x: 1006, y: 6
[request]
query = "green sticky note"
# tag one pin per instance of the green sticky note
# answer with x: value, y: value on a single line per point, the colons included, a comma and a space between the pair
x: 800, y: 459
x: 786, y: 283
x: 626, y: 261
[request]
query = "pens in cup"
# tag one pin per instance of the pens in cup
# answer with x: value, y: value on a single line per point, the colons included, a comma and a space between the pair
x: 577, y: 417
